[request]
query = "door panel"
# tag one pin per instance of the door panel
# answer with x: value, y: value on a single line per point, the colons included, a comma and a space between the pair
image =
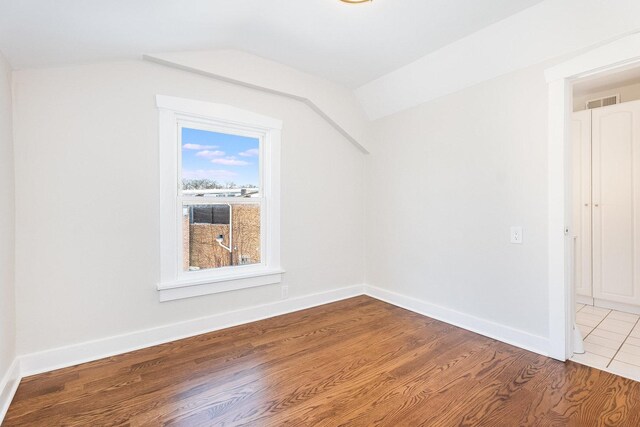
x: 581, y: 147
x: 616, y: 194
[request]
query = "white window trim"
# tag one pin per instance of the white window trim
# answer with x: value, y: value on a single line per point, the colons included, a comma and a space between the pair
x: 174, y: 282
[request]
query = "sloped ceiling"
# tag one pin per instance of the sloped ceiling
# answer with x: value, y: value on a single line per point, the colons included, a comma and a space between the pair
x: 348, y: 44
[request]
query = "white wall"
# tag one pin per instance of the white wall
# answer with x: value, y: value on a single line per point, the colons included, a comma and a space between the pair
x: 7, y: 209
x: 446, y: 180
x: 87, y: 201
x: 336, y: 102
x: 548, y: 30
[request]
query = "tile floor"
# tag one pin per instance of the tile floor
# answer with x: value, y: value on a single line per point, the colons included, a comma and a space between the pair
x: 611, y: 340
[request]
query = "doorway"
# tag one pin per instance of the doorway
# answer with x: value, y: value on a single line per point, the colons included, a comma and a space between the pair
x: 619, y: 55
x: 605, y: 192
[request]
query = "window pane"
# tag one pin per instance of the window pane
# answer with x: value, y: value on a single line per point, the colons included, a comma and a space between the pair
x: 219, y: 165
x: 220, y: 235
x: 211, y: 214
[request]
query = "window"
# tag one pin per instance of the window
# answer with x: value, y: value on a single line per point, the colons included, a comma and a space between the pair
x: 216, y: 166
x: 219, y: 198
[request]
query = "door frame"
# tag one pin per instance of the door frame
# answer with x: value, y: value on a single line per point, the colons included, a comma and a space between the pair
x: 616, y: 55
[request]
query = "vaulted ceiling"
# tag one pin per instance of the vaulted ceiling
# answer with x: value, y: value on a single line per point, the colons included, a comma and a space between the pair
x: 348, y: 44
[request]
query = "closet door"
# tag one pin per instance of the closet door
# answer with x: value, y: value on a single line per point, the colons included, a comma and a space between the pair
x: 581, y: 147
x: 616, y: 202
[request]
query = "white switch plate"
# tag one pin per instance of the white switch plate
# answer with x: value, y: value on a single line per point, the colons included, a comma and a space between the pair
x: 516, y: 235
x: 285, y: 291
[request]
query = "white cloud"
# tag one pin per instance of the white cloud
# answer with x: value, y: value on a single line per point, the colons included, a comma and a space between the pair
x: 198, y: 147
x: 213, y: 174
x: 254, y: 152
x: 209, y: 153
x: 230, y: 161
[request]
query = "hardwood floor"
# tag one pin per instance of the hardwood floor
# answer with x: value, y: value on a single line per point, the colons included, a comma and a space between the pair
x: 358, y: 362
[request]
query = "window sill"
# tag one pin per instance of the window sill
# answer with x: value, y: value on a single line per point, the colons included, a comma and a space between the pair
x: 180, y: 289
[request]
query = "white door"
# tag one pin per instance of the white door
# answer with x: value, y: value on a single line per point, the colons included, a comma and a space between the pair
x: 581, y: 147
x: 616, y: 202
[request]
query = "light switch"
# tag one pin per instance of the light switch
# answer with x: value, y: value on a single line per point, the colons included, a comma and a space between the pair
x: 516, y: 235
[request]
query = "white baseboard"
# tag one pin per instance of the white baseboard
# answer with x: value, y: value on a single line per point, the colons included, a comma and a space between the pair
x: 583, y: 299
x: 612, y: 305
x: 62, y: 357
x: 48, y: 360
x: 516, y: 337
x: 44, y: 361
x: 8, y: 386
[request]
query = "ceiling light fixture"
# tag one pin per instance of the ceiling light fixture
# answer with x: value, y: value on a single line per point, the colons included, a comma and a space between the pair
x: 355, y: 1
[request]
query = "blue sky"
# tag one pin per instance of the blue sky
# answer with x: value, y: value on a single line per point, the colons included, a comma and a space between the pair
x: 220, y: 157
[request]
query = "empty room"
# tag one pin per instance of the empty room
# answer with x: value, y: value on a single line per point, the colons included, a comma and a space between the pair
x: 320, y: 213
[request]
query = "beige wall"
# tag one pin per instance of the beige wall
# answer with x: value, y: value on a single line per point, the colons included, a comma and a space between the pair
x: 627, y: 93
x: 7, y: 299
x: 87, y: 151
x: 445, y: 181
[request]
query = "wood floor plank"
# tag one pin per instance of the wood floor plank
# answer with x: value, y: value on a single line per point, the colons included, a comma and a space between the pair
x: 179, y: 361
x: 357, y: 362
x: 277, y: 373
